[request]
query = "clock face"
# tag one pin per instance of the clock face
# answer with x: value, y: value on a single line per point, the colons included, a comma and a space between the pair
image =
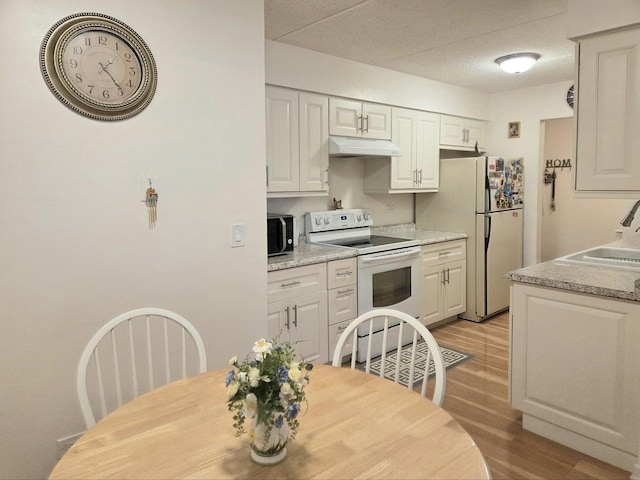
x: 101, y: 68
x: 98, y: 66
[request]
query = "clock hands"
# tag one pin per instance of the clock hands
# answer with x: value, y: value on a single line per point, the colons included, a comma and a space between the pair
x: 104, y: 69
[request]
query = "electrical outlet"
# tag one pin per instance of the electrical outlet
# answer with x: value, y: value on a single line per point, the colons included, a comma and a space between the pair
x: 390, y: 208
x: 66, y: 443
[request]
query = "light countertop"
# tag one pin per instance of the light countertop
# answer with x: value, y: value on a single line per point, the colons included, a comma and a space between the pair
x: 606, y: 282
x: 309, y: 253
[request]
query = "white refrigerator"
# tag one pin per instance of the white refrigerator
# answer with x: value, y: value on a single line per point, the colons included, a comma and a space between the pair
x: 484, y: 198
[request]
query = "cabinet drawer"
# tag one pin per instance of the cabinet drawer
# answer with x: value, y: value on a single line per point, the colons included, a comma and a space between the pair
x: 343, y: 304
x: 292, y: 282
x: 334, y: 334
x: 341, y: 273
x: 440, y: 253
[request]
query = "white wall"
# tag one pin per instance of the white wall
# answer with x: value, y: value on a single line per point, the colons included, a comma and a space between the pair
x: 577, y: 222
x: 529, y: 106
x: 76, y: 249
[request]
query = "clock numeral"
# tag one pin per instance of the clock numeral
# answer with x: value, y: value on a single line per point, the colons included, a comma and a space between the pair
x: 127, y: 57
x: 73, y: 62
x: 120, y: 92
x: 130, y: 83
x: 105, y: 94
x: 87, y: 41
x: 102, y: 40
x: 77, y: 50
x: 132, y: 71
x: 91, y: 87
x: 78, y: 77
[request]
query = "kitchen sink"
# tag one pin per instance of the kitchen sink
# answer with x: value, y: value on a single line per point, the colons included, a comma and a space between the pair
x: 609, y: 257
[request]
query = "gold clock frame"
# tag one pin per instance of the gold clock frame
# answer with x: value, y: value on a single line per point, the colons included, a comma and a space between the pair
x: 53, y: 71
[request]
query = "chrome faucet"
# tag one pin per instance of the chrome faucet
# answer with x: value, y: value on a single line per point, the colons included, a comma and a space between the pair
x: 626, y: 221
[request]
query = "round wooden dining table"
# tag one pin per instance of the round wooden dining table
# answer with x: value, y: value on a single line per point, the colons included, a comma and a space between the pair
x: 355, y: 425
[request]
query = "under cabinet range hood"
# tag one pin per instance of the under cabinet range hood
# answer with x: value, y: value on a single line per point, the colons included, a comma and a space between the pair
x: 356, y: 147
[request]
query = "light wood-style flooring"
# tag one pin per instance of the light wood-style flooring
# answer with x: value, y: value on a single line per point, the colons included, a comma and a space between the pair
x: 477, y: 397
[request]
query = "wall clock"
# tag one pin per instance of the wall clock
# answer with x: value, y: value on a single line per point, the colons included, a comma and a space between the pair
x: 570, y: 96
x: 98, y: 66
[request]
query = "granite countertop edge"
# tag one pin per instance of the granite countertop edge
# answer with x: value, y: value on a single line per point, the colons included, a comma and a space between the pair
x: 310, y: 254
x: 602, y: 281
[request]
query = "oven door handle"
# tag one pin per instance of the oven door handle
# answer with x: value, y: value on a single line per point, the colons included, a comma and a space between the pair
x: 369, y: 259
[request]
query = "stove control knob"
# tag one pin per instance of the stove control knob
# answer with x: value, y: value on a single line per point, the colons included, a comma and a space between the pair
x: 326, y: 220
x: 318, y: 220
x: 366, y: 215
x: 359, y: 217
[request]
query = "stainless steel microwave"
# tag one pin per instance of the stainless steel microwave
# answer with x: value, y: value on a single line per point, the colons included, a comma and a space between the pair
x: 279, y: 234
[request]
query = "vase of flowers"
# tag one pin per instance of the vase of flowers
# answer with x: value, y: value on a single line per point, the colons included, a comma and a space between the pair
x: 267, y: 389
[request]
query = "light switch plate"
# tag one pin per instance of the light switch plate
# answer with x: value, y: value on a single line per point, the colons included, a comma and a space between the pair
x: 237, y: 235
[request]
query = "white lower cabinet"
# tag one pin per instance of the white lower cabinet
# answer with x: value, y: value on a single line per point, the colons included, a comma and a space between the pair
x: 574, y: 370
x: 444, y: 274
x: 342, y: 297
x: 297, y: 309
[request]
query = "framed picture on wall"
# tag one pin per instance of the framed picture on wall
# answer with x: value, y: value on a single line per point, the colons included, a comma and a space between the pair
x: 514, y: 130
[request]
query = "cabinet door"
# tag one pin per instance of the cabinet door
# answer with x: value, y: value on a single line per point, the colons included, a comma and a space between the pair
x: 345, y: 117
x: 403, y: 168
x: 314, y: 142
x: 608, y: 113
x: 432, y: 284
x: 451, y: 130
x: 427, y: 150
x: 343, y: 304
x: 455, y: 289
x: 278, y: 319
x: 282, y: 140
x: 309, y: 327
x: 476, y: 132
x: 376, y: 121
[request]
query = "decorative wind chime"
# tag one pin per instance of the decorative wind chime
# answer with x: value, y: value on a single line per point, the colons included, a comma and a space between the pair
x: 151, y: 202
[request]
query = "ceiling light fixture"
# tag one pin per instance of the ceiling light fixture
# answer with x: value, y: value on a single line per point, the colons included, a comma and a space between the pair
x: 517, y: 62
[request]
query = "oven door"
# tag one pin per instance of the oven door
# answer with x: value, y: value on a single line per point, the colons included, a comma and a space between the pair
x: 390, y: 280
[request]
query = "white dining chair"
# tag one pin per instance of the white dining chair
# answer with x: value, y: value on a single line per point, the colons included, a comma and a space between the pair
x: 404, y: 326
x: 133, y: 354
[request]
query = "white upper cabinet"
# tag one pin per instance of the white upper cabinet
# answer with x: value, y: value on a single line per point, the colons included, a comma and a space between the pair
x: 297, y: 142
x: 416, y: 133
x: 608, y: 113
x: 457, y: 133
x: 351, y: 118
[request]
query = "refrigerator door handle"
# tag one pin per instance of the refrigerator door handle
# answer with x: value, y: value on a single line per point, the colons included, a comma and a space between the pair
x: 487, y: 231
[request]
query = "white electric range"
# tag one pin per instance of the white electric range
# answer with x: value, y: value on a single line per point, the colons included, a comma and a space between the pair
x: 388, y: 267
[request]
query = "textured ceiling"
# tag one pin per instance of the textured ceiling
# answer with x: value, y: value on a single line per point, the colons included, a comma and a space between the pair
x: 451, y: 41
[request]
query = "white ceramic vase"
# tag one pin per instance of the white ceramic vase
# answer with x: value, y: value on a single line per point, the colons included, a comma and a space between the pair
x: 269, y: 448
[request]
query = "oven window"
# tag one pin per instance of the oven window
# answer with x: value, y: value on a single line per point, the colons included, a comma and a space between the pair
x: 391, y: 287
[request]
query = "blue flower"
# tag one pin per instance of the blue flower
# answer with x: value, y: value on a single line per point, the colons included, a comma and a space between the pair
x: 229, y: 378
x: 293, y: 410
x: 279, y: 421
x: 282, y: 375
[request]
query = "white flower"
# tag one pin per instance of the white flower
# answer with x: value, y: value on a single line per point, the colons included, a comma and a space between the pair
x: 233, y: 360
x: 295, y: 373
x: 254, y: 377
x: 250, y: 405
x: 262, y: 348
x: 242, y: 377
x: 232, y: 389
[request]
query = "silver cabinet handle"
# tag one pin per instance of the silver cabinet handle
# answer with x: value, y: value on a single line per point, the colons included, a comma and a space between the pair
x: 342, y: 292
x: 420, y: 181
x: 360, y: 122
x: 290, y: 284
x: 295, y: 316
x: 343, y: 274
x: 267, y: 175
x: 415, y: 177
x: 286, y: 323
x: 326, y: 172
x: 443, y: 254
x: 342, y: 329
x: 367, y: 119
x: 447, y: 270
x: 442, y: 280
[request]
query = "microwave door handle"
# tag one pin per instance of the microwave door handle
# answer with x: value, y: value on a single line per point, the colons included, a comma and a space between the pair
x: 284, y: 234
